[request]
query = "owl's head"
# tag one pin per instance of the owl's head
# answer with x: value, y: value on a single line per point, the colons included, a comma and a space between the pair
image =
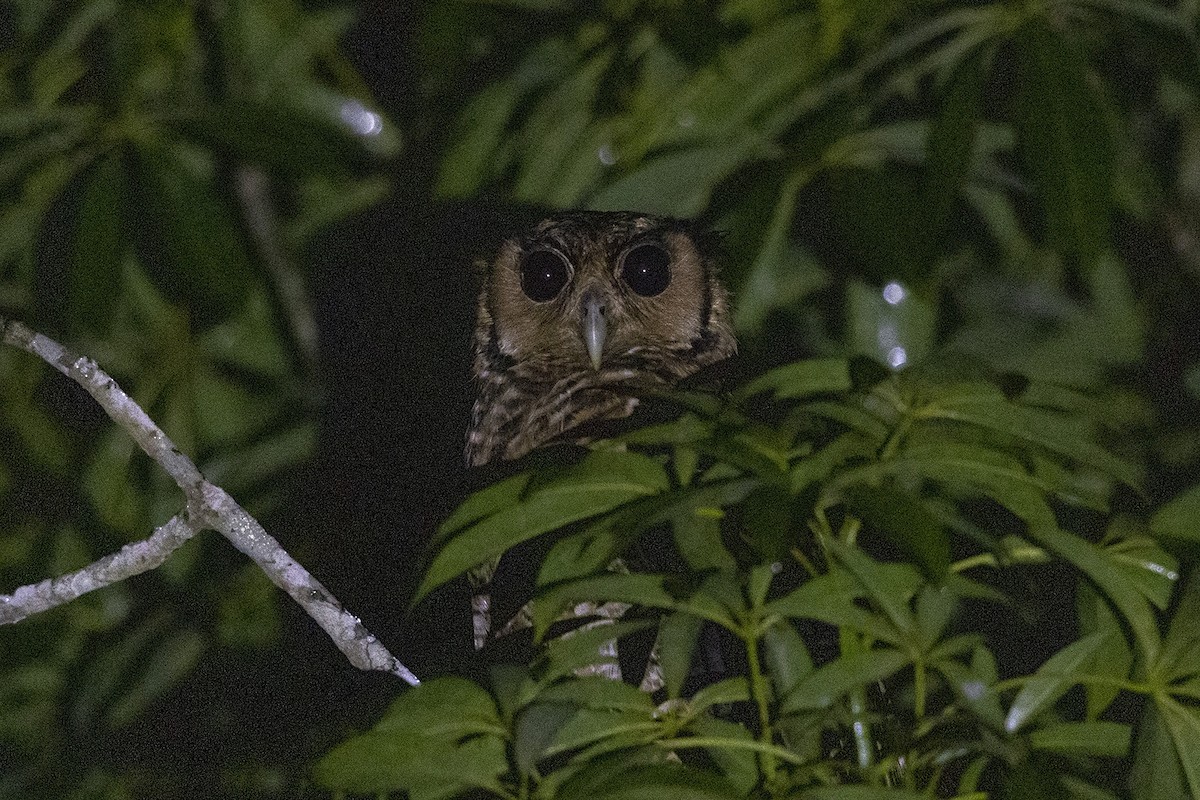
x: 580, y: 314
x: 608, y: 290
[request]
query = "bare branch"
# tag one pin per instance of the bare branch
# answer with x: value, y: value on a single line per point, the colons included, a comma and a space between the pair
x: 208, y: 506
x: 132, y: 559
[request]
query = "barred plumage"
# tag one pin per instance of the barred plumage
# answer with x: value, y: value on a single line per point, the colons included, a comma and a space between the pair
x: 575, y: 318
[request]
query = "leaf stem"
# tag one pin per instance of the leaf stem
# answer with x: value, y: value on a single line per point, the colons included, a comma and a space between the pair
x: 758, y: 688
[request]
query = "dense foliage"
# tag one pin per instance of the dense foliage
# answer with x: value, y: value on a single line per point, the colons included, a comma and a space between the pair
x: 947, y: 549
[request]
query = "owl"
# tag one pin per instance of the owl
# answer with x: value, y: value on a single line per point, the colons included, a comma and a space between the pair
x: 580, y: 314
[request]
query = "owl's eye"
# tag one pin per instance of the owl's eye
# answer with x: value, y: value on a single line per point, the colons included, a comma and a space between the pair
x: 647, y: 269
x: 543, y: 275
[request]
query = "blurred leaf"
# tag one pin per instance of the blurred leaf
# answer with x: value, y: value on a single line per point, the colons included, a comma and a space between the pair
x: 725, y: 692
x: 1064, y: 138
x: 248, y: 614
x: 556, y: 134
x: 1052, y: 680
x: 859, y: 793
x: 678, y: 183
x: 801, y: 379
x: 951, y: 147
x: 169, y: 664
x: 1098, y: 738
x: 283, y: 139
x: 94, y: 280
x: 111, y: 486
x: 598, y: 693
x: 782, y: 272
x: 677, y: 636
x: 1067, y: 435
x: 830, y: 598
x: 1180, y: 656
x: 786, y: 656
x: 738, y: 764
x: 1183, y: 724
x: 207, y: 268
x: 1156, y: 771
x: 1180, y: 518
x: 1114, y: 658
x: 587, y: 726
x: 974, y: 685
x: 1153, y: 570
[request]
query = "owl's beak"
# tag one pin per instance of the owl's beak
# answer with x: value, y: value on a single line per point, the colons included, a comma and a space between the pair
x: 594, y: 328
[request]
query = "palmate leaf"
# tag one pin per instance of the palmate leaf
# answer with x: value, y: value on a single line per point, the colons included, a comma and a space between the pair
x: 604, y: 480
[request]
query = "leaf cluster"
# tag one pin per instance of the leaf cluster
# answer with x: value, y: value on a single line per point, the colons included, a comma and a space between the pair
x: 850, y: 537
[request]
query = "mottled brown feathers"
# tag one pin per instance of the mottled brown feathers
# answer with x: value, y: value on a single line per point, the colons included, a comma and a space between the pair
x: 536, y: 376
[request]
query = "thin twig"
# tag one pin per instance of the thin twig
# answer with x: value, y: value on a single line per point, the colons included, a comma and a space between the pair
x: 208, y: 507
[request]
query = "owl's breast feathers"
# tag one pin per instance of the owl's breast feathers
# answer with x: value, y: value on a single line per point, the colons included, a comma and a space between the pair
x: 538, y: 363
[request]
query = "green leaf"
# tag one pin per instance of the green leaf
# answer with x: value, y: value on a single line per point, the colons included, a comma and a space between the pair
x: 782, y: 273
x: 1147, y: 566
x: 676, y: 643
x: 786, y: 656
x: 678, y: 183
x: 1097, y: 565
x: 1114, y: 658
x: 860, y: 793
x: 974, y: 684
x: 598, y: 693
x: 1060, y: 672
x: 1183, y: 724
x: 830, y: 598
x: 738, y: 764
x: 94, y: 281
x: 951, y: 145
x: 636, y: 589
x: 1180, y: 518
x: 801, y: 379
x: 1064, y: 138
x: 604, y: 480
x: 581, y: 648
x: 1068, y: 435
x: 285, y: 139
x: 437, y: 740
x: 890, y: 589
x: 589, y: 726
x: 824, y: 687
x: 207, y: 268
x: 1098, y: 738
x: 1156, y: 771
x: 1180, y: 657
x: 730, y: 690
x: 485, y: 502
x: 907, y: 522
x: 646, y: 782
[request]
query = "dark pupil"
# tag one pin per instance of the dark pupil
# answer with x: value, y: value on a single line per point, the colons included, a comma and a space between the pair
x: 543, y: 275
x: 647, y: 269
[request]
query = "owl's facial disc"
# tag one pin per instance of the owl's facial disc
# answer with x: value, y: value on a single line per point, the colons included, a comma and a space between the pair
x: 595, y: 326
